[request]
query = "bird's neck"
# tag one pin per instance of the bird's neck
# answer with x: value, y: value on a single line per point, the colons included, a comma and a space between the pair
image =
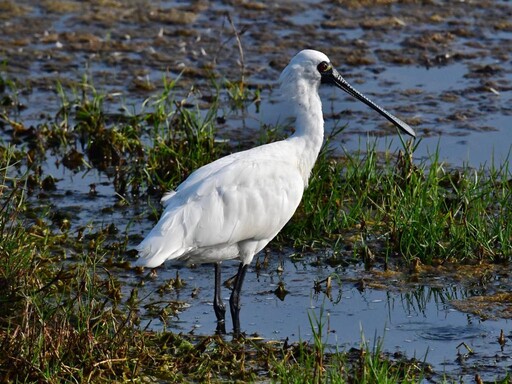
x: 309, y: 131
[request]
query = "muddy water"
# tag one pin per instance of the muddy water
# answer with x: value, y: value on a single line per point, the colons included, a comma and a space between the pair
x: 444, y: 67
x: 417, y: 319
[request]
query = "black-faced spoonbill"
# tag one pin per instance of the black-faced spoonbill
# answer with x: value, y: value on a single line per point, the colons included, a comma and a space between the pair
x: 233, y: 207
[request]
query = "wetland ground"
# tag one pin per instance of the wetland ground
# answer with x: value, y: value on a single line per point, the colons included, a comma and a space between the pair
x: 106, y: 104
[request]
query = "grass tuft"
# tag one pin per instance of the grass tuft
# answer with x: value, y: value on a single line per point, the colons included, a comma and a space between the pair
x: 65, y: 317
x: 416, y: 211
x: 317, y: 363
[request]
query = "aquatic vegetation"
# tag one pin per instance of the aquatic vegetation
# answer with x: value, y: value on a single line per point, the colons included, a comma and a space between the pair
x: 364, y: 205
x: 58, y: 322
x: 315, y: 362
x: 415, y: 210
x: 73, y: 321
x: 65, y: 316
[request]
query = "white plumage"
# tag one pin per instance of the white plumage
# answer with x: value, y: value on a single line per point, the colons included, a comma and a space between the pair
x: 232, y: 207
x: 227, y: 209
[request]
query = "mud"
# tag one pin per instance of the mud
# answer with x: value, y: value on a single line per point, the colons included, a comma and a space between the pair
x: 442, y: 66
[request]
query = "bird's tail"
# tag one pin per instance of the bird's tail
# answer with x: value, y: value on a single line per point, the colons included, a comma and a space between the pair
x: 155, y: 249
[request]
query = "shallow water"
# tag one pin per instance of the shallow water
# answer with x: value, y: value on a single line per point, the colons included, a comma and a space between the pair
x: 446, y: 66
x: 458, y: 139
x: 414, y: 319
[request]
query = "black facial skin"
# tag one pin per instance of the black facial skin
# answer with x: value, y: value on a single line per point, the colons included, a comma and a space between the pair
x: 332, y: 77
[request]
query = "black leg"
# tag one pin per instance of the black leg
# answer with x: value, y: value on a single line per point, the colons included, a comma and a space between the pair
x: 218, y: 305
x: 234, y: 300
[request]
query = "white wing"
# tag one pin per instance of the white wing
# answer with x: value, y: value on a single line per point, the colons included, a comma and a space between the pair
x: 245, y: 197
x: 199, y: 174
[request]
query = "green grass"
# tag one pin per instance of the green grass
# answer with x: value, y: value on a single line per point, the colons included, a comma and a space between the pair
x: 70, y: 323
x: 57, y: 323
x: 399, y: 209
x: 407, y: 210
x: 64, y: 319
x: 313, y: 362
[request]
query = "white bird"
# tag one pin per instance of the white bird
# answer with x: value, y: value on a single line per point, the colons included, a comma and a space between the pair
x: 232, y: 207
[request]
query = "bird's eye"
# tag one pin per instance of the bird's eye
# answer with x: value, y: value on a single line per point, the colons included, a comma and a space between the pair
x: 324, y: 66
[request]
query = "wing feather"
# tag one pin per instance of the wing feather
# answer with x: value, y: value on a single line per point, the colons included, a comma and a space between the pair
x: 245, y: 196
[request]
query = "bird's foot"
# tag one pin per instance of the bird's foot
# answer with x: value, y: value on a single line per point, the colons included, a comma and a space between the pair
x: 237, y: 334
x: 221, y: 328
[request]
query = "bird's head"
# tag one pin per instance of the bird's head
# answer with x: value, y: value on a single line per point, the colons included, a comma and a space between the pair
x: 309, y: 68
x: 303, y: 67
